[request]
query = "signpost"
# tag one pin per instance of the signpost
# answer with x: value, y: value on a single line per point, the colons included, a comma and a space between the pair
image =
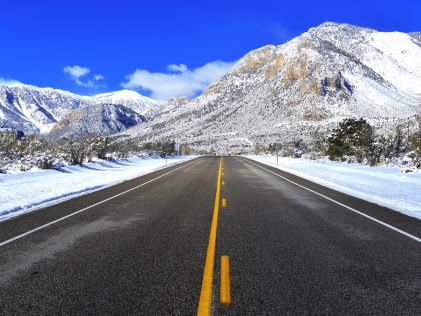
x: 177, y: 145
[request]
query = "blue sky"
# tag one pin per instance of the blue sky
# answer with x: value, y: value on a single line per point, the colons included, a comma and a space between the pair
x: 163, y: 48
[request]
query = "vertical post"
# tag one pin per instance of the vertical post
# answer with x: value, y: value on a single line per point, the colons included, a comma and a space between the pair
x: 177, y: 146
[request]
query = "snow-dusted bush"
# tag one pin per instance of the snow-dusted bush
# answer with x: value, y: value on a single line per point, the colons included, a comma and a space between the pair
x: 76, y: 151
x: 48, y: 161
x: 98, y: 146
x: 416, y: 143
x: 160, y: 148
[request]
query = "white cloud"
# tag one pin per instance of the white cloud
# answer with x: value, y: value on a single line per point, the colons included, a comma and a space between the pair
x: 181, y: 81
x: 211, y: 71
x: 9, y: 82
x: 177, y: 68
x: 77, y: 72
x: 99, y: 77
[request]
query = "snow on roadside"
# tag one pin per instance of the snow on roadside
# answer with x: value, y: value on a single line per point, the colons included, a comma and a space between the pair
x: 23, y: 192
x: 385, y: 186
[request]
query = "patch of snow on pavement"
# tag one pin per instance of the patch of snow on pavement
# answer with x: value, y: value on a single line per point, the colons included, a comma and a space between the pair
x: 21, y: 192
x: 385, y: 186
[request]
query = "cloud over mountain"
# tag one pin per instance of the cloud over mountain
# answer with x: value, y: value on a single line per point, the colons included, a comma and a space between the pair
x: 76, y: 73
x: 178, y: 81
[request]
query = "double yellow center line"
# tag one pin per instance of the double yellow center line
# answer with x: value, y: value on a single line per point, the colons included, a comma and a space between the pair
x: 205, y: 299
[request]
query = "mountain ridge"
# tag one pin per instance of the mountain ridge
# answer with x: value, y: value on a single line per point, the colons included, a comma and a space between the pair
x: 30, y: 108
x: 327, y: 73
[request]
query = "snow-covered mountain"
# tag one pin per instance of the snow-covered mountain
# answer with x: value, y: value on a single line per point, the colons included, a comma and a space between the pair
x: 97, y: 119
x: 133, y: 100
x: 35, y: 109
x: 274, y: 93
x: 287, y: 91
x: 30, y: 108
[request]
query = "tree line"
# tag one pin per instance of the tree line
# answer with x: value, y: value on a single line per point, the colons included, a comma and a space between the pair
x: 33, y: 150
x: 355, y: 140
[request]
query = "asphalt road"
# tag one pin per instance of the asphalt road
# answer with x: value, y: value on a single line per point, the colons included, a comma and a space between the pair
x: 143, y: 252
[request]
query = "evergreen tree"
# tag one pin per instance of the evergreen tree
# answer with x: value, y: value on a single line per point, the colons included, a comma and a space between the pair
x: 352, y: 138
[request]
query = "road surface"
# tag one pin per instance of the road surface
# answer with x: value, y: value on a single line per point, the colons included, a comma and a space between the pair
x: 153, y: 246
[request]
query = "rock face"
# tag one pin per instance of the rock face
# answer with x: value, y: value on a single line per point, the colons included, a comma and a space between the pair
x: 330, y: 72
x: 98, y: 119
x: 28, y: 108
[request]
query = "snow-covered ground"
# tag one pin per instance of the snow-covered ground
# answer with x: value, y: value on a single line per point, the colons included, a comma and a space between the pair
x: 386, y: 186
x: 22, y: 192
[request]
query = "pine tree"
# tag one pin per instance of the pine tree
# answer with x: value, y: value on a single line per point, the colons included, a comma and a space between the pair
x: 352, y: 138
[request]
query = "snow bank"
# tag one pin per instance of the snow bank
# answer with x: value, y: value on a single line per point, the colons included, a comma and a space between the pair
x: 386, y: 186
x: 21, y: 192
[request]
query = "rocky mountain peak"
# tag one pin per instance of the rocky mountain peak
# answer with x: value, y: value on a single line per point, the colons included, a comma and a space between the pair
x: 330, y: 72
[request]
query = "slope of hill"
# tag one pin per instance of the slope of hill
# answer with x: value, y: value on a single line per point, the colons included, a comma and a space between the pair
x: 97, y: 119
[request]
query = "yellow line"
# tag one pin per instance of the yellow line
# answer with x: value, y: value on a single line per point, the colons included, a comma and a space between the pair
x: 225, y: 297
x: 207, y: 282
x: 224, y: 202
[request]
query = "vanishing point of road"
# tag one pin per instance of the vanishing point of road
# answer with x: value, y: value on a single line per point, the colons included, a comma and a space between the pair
x: 215, y: 235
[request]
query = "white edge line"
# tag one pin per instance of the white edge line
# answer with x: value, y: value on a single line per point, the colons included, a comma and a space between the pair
x: 75, y: 195
x: 341, y: 204
x: 89, y: 207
